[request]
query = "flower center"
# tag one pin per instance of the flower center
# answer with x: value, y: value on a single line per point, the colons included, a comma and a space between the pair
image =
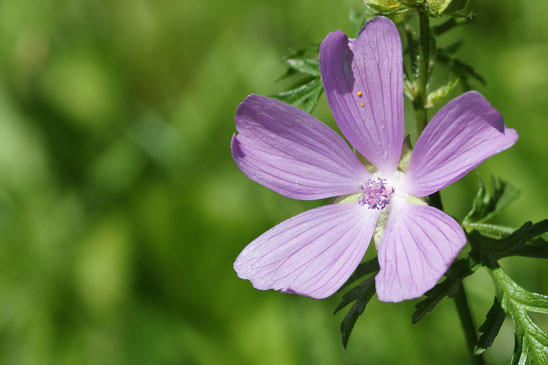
x: 376, y: 193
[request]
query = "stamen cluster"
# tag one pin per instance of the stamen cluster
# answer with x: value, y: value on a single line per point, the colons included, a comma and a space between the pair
x: 376, y: 193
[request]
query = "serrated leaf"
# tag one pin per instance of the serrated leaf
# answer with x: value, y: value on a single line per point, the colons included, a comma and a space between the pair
x: 439, y: 94
x: 360, y: 294
x: 306, y: 91
x: 305, y: 96
x: 448, y: 287
x: 531, y: 342
x: 489, y: 202
x: 525, y: 241
x: 535, y: 353
x: 490, y: 328
x: 306, y: 66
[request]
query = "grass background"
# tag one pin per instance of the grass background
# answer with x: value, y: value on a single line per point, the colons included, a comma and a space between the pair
x: 121, y: 210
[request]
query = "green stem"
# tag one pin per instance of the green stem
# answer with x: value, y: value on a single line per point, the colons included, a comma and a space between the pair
x: 421, y: 116
x: 467, y: 323
x: 422, y: 72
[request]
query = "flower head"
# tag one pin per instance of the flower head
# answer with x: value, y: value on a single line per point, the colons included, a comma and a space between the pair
x: 294, y: 154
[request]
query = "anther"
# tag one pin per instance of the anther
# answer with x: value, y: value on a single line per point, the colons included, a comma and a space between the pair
x: 376, y: 193
x: 359, y: 93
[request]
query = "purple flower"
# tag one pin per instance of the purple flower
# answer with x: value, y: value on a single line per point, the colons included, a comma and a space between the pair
x: 296, y: 155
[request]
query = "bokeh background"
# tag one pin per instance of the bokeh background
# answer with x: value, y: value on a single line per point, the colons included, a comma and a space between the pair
x: 121, y: 210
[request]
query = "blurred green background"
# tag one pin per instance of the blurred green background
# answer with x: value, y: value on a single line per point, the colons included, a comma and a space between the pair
x: 121, y: 210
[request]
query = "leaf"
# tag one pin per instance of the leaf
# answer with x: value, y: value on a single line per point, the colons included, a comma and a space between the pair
x: 489, y: 202
x: 526, y: 241
x: 490, y: 328
x: 530, y: 341
x: 452, y: 23
x: 462, y: 70
x: 491, y: 230
x: 453, y: 47
x: 439, y: 94
x: 305, y: 96
x: 360, y: 294
x: 458, y: 271
x: 303, y: 65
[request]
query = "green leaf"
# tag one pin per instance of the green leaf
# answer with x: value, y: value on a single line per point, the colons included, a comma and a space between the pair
x: 452, y: 23
x: 302, y: 64
x: 490, y: 328
x: 305, y: 66
x: 458, y: 271
x: 490, y: 230
x: 360, y: 294
x: 489, y: 202
x: 441, y: 93
x: 526, y: 241
x: 462, y: 70
x: 531, y: 342
x: 453, y: 47
x: 305, y: 96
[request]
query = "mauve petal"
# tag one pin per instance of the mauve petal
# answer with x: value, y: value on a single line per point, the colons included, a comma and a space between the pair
x: 461, y: 135
x: 311, y: 254
x: 371, y: 64
x: 418, y: 246
x: 293, y: 153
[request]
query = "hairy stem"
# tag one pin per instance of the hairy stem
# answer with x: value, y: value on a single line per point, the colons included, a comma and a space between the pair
x: 422, y: 72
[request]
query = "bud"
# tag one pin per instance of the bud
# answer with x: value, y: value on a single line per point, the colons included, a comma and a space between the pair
x: 382, y: 5
x: 439, y: 7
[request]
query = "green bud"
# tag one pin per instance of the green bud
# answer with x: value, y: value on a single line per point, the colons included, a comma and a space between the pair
x: 439, y: 7
x: 382, y: 5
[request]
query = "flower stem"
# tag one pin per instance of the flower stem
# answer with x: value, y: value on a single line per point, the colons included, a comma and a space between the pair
x: 421, y: 116
x: 422, y: 72
x: 467, y: 323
